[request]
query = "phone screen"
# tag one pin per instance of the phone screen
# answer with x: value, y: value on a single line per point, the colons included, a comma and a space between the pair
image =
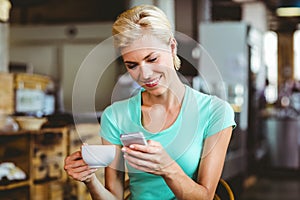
x: 133, y: 138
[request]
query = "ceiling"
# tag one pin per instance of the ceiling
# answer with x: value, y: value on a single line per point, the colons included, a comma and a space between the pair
x: 275, y: 23
x: 64, y: 11
x: 281, y: 23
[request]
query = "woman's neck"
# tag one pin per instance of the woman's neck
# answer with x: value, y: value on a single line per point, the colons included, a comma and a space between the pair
x: 173, y: 97
x: 160, y: 112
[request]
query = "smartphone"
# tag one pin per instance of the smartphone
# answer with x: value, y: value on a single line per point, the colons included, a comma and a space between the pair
x: 133, y: 138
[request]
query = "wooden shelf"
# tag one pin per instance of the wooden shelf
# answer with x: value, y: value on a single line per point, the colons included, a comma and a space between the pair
x: 40, y: 154
x: 29, y: 150
x: 42, y: 131
x: 10, y: 133
x: 14, y: 184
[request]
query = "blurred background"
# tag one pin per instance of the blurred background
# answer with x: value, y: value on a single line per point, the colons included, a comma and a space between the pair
x: 254, y: 46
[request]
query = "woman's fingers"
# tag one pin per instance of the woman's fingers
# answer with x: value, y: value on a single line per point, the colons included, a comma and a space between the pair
x: 74, y: 156
x: 139, y: 162
x: 151, y: 158
x: 77, y: 168
x: 82, y: 175
x: 73, y: 161
x: 152, y: 147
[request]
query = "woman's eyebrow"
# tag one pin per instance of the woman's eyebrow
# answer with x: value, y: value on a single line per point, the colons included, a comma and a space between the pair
x: 129, y: 62
x: 146, y: 57
x: 150, y: 54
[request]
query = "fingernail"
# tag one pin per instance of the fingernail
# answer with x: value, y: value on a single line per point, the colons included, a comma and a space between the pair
x: 131, y: 146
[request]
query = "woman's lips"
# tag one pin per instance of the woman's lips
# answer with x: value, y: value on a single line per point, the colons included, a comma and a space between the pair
x: 152, y: 83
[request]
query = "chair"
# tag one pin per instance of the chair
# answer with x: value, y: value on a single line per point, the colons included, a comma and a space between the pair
x: 223, y: 191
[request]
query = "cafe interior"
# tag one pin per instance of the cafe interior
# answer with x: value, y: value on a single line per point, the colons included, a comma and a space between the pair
x: 56, y: 78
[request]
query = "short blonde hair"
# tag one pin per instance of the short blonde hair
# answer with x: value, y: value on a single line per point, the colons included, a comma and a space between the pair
x: 131, y: 25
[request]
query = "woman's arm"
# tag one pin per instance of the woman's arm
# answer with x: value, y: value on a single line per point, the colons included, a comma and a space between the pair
x: 80, y: 171
x: 209, y: 172
x: 97, y: 190
x: 115, y: 174
x: 154, y: 159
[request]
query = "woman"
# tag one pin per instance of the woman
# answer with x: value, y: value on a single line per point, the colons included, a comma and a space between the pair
x: 188, y: 132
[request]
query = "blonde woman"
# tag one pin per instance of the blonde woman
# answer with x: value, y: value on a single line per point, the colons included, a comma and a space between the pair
x: 187, y: 132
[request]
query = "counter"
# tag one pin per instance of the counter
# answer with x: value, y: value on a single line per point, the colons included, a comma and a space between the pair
x: 283, y: 142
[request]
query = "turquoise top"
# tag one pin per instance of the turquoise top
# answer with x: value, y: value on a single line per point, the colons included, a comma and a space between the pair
x: 200, y: 116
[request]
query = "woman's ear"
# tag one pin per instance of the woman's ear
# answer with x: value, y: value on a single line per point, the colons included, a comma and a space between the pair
x: 173, y: 44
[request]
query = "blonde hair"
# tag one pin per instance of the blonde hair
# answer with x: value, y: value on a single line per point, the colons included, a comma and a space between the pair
x: 131, y: 25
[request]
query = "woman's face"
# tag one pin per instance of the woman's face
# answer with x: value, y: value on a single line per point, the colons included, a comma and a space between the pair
x: 150, y: 63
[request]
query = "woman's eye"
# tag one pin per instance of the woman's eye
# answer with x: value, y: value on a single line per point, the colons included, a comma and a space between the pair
x: 152, y: 59
x: 131, y: 66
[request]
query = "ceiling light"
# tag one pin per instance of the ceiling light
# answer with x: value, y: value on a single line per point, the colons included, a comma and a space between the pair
x: 288, y: 8
x: 244, y: 1
x: 288, y: 11
x: 5, y: 6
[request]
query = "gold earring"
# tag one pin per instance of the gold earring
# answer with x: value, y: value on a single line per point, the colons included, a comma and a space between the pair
x: 176, y: 62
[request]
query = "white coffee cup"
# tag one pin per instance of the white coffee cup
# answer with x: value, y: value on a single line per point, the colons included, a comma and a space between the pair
x: 98, y: 155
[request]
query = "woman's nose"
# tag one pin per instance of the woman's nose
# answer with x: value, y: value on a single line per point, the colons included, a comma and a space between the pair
x: 145, y: 71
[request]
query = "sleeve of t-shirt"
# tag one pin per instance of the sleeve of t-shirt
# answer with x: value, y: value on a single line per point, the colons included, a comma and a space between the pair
x: 109, y: 129
x: 221, y: 116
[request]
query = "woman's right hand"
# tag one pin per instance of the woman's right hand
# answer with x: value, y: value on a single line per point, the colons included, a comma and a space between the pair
x: 77, y: 168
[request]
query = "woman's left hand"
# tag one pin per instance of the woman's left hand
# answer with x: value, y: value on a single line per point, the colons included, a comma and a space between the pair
x: 151, y: 158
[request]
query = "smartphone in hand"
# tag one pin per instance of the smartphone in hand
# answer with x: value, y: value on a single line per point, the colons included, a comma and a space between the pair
x: 133, y: 138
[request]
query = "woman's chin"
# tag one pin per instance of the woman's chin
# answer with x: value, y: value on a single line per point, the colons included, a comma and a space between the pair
x: 156, y: 91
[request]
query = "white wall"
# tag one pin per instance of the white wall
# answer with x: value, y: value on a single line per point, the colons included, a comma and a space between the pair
x: 53, y: 51
x: 4, y: 56
x: 168, y: 6
x: 255, y: 14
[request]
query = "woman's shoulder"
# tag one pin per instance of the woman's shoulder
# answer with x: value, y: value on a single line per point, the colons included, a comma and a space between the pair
x: 204, y: 98
x: 119, y: 106
x: 200, y: 96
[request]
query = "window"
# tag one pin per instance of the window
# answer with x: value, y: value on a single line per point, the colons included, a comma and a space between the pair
x: 270, y: 60
x: 297, y: 55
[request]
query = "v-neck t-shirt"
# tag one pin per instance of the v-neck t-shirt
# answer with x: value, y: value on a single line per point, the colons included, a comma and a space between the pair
x: 200, y: 116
